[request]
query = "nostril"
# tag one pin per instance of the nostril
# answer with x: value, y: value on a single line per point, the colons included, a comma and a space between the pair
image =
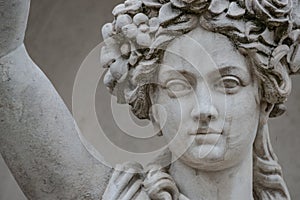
x: 206, y: 114
x: 205, y: 117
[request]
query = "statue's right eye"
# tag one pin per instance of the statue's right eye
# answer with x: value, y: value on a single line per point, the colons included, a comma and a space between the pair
x: 178, y: 88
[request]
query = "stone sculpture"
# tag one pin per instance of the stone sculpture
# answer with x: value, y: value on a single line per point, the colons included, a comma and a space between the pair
x: 219, y: 68
x: 184, y: 55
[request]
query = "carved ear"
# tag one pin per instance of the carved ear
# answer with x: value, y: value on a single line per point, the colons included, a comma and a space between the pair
x: 154, y: 112
x: 265, y: 110
x: 154, y: 117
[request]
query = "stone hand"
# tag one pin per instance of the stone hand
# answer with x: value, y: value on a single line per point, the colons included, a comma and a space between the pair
x: 125, y: 183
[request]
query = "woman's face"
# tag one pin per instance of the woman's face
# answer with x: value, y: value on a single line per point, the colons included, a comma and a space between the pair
x: 209, y: 102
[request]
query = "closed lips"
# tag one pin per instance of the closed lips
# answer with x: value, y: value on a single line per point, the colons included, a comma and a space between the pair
x: 204, y: 131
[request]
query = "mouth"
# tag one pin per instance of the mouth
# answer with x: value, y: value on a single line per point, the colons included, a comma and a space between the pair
x: 206, y: 131
x: 207, y: 136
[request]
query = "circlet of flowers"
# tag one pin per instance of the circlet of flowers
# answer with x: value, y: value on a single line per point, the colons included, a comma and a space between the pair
x: 264, y: 26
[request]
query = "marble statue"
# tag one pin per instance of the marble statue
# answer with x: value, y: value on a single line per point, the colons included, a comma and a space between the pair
x: 208, y: 74
x: 220, y: 69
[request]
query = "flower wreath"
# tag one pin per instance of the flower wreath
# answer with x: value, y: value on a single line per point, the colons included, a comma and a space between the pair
x: 267, y: 30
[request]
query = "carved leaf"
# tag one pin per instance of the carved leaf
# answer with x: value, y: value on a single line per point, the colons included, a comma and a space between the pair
x: 258, y: 47
x: 148, y: 62
x: 295, y: 35
x: 261, y: 50
x: 187, y: 25
x: 225, y: 22
x: 278, y: 54
x: 178, y: 3
x: 235, y: 11
x: 167, y: 13
x: 152, y: 3
x: 296, y: 13
x: 198, y: 6
x: 160, y: 40
x: 280, y: 3
x: 218, y: 6
x: 248, y: 4
x: 188, y: 1
x: 274, y: 12
x: 267, y: 37
x: 251, y: 27
x: 294, y: 59
x: 144, y: 69
x: 261, y: 60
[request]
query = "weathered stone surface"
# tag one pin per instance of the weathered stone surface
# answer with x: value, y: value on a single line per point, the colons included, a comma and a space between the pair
x: 12, y: 24
x: 214, y: 118
x: 39, y: 140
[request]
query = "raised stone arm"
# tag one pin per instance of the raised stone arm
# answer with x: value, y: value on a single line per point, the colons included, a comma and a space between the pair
x: 39, y: 140
x: 13, y: 23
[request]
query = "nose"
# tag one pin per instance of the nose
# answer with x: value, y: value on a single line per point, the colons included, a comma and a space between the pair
x: 204, y: 109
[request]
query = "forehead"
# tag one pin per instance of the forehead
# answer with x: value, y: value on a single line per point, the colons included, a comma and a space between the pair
x: 201, y: 52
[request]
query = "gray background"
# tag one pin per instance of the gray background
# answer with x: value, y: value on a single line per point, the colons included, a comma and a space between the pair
x: 61, y: 33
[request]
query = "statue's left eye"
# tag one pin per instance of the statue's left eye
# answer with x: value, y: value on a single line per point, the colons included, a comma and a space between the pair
x: 229, y: 84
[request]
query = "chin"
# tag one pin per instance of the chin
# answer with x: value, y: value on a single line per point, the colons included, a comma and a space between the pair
x: 214, y: 158
x: 206, y: 157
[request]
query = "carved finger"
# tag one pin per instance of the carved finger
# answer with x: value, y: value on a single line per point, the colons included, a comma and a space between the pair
x: 123, y: 181
x: 117, y: 172
x: 132, y: 190
x: 111, y: 192
x: 128, y: 167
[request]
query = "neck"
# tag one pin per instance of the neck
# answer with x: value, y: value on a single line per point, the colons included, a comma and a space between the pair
x: 233, y: 183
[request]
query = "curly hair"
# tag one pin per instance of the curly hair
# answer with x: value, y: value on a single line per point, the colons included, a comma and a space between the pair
x: 265, y: 31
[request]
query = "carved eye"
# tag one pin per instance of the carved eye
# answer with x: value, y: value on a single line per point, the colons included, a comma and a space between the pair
x: 229, y: 84
x: 177, y: 88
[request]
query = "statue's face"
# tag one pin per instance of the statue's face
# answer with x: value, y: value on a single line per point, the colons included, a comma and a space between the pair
x: 209, y: 101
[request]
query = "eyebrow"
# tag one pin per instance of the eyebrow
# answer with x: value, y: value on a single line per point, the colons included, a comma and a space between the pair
x: 173, y: 73
x: 243, y: 75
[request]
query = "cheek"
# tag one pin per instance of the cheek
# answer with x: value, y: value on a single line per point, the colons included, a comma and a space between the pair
x: 174, y: 116
x: 242, y: 119
x: 168, y: 115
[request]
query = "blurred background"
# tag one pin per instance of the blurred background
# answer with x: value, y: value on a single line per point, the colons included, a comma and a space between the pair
x: 61, y: 33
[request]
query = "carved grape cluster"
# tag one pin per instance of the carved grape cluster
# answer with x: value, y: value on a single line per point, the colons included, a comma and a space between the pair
x: 126, y: 38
